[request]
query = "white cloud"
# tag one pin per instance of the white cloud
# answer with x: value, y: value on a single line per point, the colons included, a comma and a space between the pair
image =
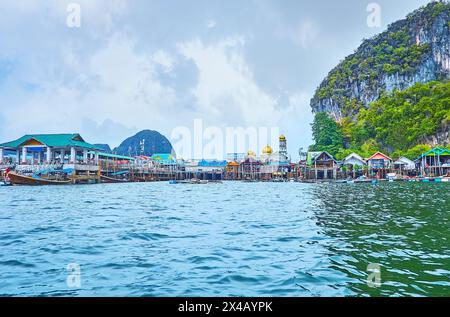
x: 99, y: 13
x: 210, y: 24
x: 104, y: 132
x: 307, y: 32
x: 226, y: 88
x: 115, y: 85
x: 303, y: 34
x: 163, y: 59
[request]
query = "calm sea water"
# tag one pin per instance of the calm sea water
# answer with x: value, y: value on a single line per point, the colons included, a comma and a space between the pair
x: 231, y: 239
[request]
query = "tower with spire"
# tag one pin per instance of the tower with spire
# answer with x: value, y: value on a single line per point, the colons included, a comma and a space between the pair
x: 283, y: 145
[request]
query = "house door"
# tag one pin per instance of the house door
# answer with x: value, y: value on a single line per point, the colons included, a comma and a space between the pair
x: 330, y: 174
x: 320, y: 174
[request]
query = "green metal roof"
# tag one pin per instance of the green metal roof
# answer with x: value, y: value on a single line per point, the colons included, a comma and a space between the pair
x: 437, y: 151
x: 120, y: 157
x: 51, y: 140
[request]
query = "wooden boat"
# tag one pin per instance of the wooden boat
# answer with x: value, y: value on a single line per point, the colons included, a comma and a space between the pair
x: 106, y: 179
x: 17, y: 179
x: 218, y: 181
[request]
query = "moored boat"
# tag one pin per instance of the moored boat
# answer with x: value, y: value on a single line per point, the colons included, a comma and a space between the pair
x: 5, y: 183
x: 106, y: 179
x: 17, y: 179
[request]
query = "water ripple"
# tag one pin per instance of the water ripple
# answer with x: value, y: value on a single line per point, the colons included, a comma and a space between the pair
x: 234, y: 239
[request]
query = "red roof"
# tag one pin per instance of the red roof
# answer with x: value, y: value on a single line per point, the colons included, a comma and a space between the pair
x: 379, y: 156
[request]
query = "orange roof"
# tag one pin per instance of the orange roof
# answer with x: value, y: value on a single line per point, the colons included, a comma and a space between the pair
x: 233, y: 164
x: 379, y: 156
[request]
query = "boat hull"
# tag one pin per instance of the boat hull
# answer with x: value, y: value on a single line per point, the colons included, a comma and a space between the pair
x: 111, y: 180
x: 16, y: 179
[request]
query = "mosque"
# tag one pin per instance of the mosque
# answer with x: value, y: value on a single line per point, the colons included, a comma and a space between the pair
x: 269, y: 165
x: 275, y: 164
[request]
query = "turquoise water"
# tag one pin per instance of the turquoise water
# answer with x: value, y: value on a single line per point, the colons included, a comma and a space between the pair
x: 231, y: 239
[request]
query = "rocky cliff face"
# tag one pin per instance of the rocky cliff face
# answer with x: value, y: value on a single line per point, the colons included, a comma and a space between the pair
x: 413, y: 50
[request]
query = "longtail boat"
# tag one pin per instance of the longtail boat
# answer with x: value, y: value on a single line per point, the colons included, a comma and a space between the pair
x: 106, y: 179
x: 17, y: 179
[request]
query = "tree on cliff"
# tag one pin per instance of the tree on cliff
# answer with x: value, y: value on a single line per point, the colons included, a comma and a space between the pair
x: 327, y: 134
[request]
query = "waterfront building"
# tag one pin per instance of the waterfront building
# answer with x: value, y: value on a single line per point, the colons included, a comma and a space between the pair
x: 275, y: 164
x: 233, y: 170
x: 206, y: 169
x: 37, y: 149
x: 379, y: 161
x: 266, y: 153
x: 321, y: 165
x: 355, y: 164
x: 164, y: 159
x: 435, y: 162
x: 404, y: 164
x: 212, y: 165
x: 47, y: 155
x: 112, y: 163
x: 379, y: 165
x: 354, y: 160
x: 163, y: 163
x: 251, y: 166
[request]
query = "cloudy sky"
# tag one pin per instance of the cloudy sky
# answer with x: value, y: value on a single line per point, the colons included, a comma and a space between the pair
x: 142, y: 64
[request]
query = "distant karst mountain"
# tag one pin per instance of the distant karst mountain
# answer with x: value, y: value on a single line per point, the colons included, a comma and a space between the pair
x: 104, y: 148
x: 150, y: 141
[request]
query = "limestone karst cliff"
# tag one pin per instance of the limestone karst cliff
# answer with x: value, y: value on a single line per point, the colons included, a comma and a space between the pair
x: 393, y: 93
x: 413, y: 50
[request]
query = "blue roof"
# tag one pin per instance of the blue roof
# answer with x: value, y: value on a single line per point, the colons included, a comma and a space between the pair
x: 279, y: 163
x: 212, y: 163
x: 109, y: 155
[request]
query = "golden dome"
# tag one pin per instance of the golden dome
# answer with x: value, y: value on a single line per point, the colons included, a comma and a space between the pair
x: 282, y: 138
x: 251, y: 153
x: 267, y: 150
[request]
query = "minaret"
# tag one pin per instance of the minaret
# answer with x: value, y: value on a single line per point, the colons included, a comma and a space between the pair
x: 283, y: 145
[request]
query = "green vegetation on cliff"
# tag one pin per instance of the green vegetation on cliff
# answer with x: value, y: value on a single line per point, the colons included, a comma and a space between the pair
x: 399, y: 123
x: 327, y: 134
x: 396, y: 53
x: 411, y: 50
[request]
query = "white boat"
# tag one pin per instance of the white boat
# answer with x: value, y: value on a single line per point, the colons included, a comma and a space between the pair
x: 391, y: 177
